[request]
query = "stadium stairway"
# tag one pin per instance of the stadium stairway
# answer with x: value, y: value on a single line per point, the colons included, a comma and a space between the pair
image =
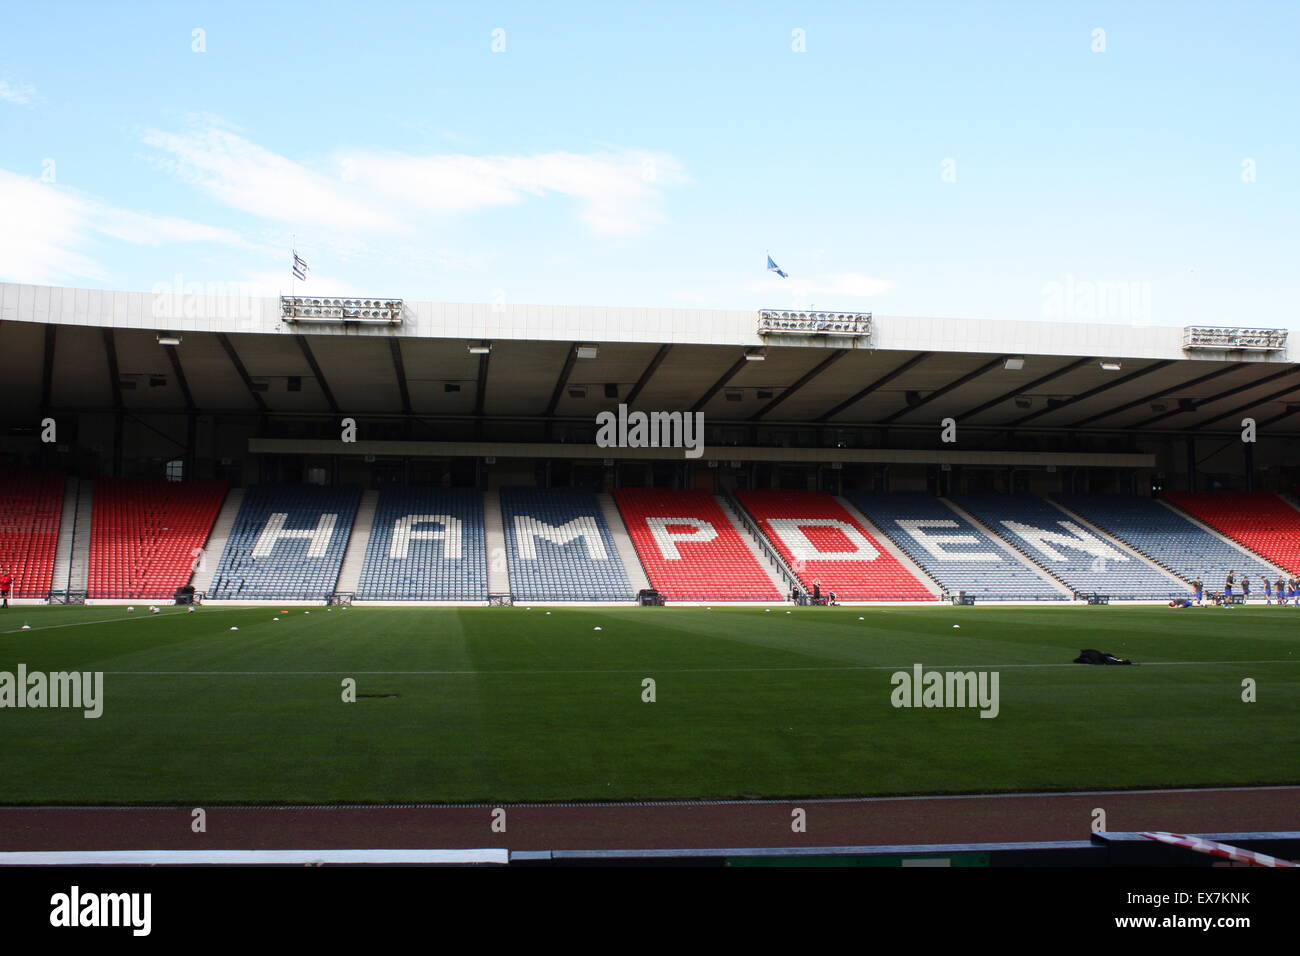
x: 355, y: 555
x: 768, y: 558
x: 63, y: 548
x: 201, y: 579
x: 920, y: 573
x: 1265, y: 525
x: 79, y: 566
x: 623, y: 542
x: 494, y: 529
x: 1085, y: 559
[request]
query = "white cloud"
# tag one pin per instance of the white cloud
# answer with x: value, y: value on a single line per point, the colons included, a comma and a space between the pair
x: 619, y: 192
x: 242, y: 174
x: 20, y: 93
x: 49, y: 227
x: 44, y: 228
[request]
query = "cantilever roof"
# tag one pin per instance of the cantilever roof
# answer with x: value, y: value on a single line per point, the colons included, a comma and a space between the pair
x: 58, y: 348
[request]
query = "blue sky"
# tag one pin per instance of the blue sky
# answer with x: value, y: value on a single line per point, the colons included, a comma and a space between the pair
x: 960, y: 159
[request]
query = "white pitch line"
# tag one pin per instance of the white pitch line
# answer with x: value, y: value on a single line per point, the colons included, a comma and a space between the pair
x: 658, y: 670
x: 115, y: 620
x: 622, y: 804
x: 246, y: 857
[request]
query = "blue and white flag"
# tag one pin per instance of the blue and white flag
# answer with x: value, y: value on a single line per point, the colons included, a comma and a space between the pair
x: 773, y: 267
x: 300, y: 266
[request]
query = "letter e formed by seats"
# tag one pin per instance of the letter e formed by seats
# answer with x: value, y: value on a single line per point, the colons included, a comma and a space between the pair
x: 648, y: 690
x: 798, y: 820
x: 199, y: 820
x: 1248, y: 690
x: 349, y: 690
x: 499, y: 820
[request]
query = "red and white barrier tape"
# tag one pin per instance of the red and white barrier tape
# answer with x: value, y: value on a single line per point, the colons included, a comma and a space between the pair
x: 1222, y: 850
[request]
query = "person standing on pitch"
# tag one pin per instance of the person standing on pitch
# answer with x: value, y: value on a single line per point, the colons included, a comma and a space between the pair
x: 1268, y: 591
x: 1198, y: 588
x: 1245, y: 589
x: 6, y: 582
x: 1227, y: 588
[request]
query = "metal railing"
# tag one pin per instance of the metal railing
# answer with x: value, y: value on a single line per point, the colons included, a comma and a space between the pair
x: 790, y: 579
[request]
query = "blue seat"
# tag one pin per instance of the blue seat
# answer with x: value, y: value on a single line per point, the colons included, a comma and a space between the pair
x: 287, y: 543
x: 1086, y: 561
x: 560, y: 547
x: 963, y: 558
x: 426, y: 544
x: 1169, y: 539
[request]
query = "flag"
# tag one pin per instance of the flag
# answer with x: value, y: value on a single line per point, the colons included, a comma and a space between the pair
x: 299, y: 266
x: 773, y: 267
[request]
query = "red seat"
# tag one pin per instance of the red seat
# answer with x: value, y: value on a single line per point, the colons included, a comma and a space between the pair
x: 31, y: 504
x: 824, y: 545
x: 145, y: 535
x: 699, y: 557
x: 1263, y: 522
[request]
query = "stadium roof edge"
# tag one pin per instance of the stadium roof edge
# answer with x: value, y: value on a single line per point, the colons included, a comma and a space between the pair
x: 246, y: 314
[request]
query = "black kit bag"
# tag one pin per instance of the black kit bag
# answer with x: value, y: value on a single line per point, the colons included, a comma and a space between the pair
x: 1090, y: 656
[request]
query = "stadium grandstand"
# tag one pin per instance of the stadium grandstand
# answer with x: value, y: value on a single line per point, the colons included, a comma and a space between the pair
x: 326, y: 450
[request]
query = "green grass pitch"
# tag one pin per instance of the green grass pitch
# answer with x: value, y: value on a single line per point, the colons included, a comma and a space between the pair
x: 515, y: 704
